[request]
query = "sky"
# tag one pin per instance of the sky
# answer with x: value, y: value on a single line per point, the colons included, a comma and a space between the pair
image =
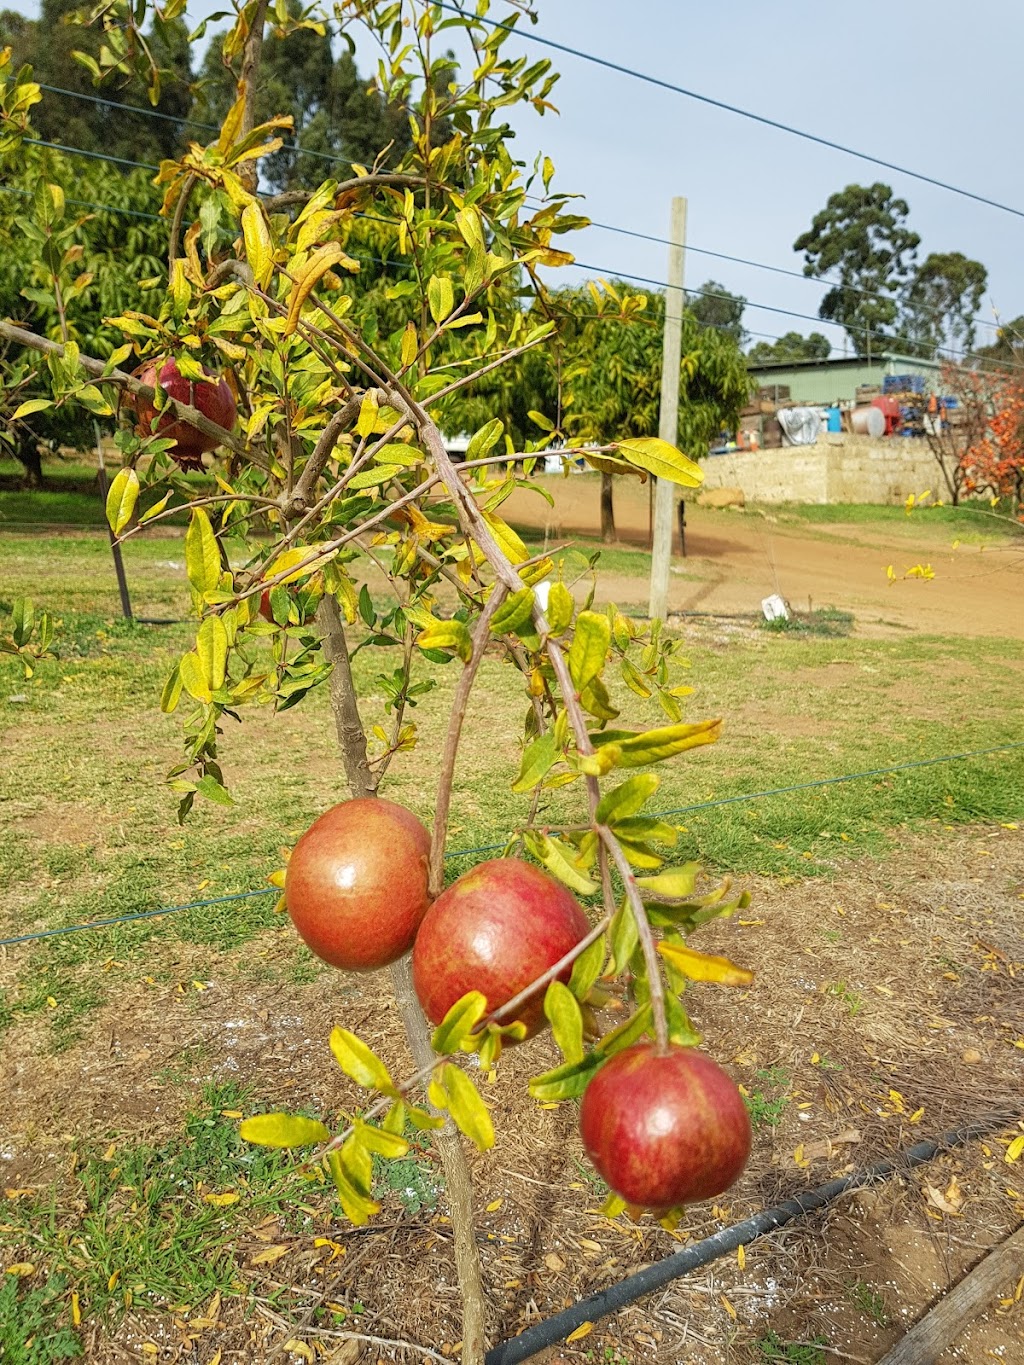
x: 919, y: 84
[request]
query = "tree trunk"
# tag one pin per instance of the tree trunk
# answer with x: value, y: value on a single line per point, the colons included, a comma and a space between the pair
x: 607, y: 509
x: 457, y: 1179
x: 28, y: 454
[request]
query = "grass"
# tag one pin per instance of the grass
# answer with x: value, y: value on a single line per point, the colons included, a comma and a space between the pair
x: 772, y: 1347
x: 766, y: 1106
x: 134, y: 1226
x: 968, y: 517
x: 869, y: 1301
x: 91, y: 827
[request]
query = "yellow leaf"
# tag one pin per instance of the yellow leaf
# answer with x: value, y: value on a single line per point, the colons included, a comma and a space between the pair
x: 336, y: 1248
x: 259, y: 247
x: 704, y: 966
x: 215, y: 1358
x: 317, y: 266
x: 741, y: 1257
x: 583, y: 1330
x: 76, y: 1309
x: 917, y: 1116
x: 51, y: 1002
x: 231, y: 1113
x: 1015, y: 1149
x: 21, y: 1269
x: 494, y: 1206
x: 221, y: 1201
x: 270, y: 1254
x: 300, y: 1349
x: 113, y: 1280
x: 728, y: 1307
x: 663, y: 460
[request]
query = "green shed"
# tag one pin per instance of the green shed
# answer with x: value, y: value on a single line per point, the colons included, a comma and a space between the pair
x: 824, y: 382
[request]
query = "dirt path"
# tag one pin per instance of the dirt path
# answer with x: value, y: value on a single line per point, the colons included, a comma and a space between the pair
x: 735, y: 558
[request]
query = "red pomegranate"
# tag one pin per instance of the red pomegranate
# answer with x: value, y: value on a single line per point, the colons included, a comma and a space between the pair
x: 356, y: 883
x: 496, y: 929
x: 214, y: 401
x: 665, y: 1129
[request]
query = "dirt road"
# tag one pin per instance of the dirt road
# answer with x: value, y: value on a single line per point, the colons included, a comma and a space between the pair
x: 737, y: 557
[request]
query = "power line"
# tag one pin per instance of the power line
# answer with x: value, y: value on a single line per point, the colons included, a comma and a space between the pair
x: 326, y: 156
x: 731, y: 109
x: 492, y: 848
x: 762, y: 265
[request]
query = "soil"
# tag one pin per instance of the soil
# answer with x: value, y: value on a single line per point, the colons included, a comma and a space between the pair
x: 736, y: 557
x: 888, y: 1007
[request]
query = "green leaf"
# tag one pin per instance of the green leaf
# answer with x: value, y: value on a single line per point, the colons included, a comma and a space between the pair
x: 440, y: 297
x: 662, y: 460
x: 467, y: 1109
x: 675, y: 883
x: 566, y: 1082
x: 589, y: 648
x: 193, y: 678
x: 209, y: 787
x: 627, y: 1033
x: 587, y: 968
x: 563, y: 1013
x: 212, y: 648
x: 172, y: 691
x: 458, y: 1024
x: 559, y: 860
x: 483, y: 442
x: 202, y: 554
x: 514, y: 613
x: 624, y: 936
x: 24, y: 617
x: 538, y: 759
x: 375, y: 475
x: 634, y: 679
x: 680, y: 1029
x: 539, y: 420
x: 625, y: 800
x: 560, y: 608
x: 282, y: 1130
x: 360, y: 1063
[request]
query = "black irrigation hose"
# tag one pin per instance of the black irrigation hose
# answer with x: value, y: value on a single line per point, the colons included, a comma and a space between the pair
x: 555, y: 1329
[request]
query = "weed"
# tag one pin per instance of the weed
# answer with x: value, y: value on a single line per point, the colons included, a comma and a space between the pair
x: 766, y: 1110
x: 412, y: 1178
x: 772, y: 1347
x: 828, y: 622
x: 870, y: 1302
x: 853, y: 1002
x: 33, y: 1330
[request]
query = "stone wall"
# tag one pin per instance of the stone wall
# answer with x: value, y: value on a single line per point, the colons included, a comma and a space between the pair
x: 839, y: 468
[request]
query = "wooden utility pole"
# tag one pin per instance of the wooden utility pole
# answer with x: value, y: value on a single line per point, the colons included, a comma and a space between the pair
x: 668, y: 421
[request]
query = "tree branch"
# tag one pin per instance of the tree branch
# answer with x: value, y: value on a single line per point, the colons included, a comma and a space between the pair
x: 460, y: 700
x: 247, y: 85
x: 392, y: 180
x: 344, y: 702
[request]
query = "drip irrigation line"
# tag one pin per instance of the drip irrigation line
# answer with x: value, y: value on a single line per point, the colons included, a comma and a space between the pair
x: 596, y: 1306
x: 495, y: 848
x: 648, y: 79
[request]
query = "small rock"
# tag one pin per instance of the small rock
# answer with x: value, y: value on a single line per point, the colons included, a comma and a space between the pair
x: 972, y: 1055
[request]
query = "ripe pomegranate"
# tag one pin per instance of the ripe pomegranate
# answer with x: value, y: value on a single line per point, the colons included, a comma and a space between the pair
x: 495, y: 930
x: 664, y: 1128
x: 214, y: 401
x: 356, y: 884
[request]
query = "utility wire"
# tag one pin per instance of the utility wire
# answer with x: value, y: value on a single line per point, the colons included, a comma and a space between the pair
x: 604, y: 227
x: 731, y: 108
x: 492, y: 848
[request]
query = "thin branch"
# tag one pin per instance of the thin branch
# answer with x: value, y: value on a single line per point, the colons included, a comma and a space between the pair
x: 460, y: 700
x: 130, y: 384
x: 322, y: 452
x: 510, y: 1006
x: 344, y: 703
x: 251, y: 55
x: 650, y: 952
x: 391, y: 180
x: 180, y: 209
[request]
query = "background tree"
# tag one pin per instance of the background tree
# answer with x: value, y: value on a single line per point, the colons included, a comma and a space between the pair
x: 941, y: 303
x: 861, y: 237
x: 965, y: 430
x: 1007, y: 350
x: 48, y: 45
x: 714, y: 306
x: 790, y: 346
